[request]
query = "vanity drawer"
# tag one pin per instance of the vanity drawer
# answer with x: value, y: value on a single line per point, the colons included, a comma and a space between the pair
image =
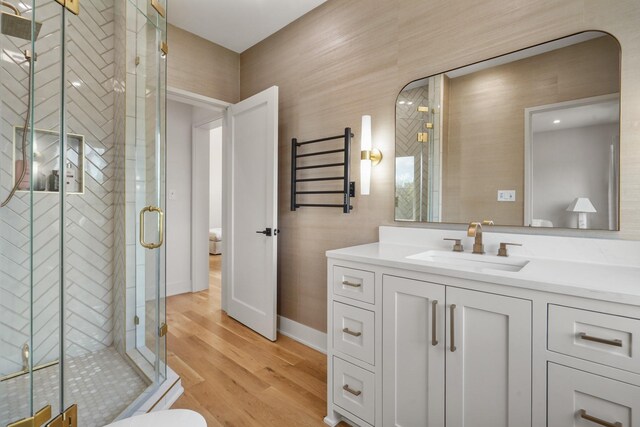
x: 602, y: 338
x: 577, y: 398
x: 353, y: 283
x: 354, y: 332
x: 354, y: 389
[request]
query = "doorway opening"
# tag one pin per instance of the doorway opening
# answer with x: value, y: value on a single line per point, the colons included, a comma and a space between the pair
x: 243, y: 219
x: 215, y: 211
x: 193, y: 122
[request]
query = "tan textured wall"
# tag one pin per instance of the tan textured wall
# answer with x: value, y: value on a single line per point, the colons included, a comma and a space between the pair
x: 200, y: 66
x: 484, y: 152
x: 352, y: 57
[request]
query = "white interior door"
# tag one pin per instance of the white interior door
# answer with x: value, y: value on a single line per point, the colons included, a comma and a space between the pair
x: 250, y: 186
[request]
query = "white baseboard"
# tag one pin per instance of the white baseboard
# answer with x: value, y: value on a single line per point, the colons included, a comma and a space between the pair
x: 177, y: 288
x: 303, y: 334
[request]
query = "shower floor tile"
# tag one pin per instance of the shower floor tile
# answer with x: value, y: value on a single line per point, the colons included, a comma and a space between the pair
x: 102, y: 384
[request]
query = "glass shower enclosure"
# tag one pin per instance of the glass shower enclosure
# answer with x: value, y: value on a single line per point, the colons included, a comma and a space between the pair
x: 82, y: 178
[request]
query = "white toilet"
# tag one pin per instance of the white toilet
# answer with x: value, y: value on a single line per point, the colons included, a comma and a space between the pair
x: 169, y: 418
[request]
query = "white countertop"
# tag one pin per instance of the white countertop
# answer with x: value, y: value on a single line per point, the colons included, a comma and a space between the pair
x: 590, y: 279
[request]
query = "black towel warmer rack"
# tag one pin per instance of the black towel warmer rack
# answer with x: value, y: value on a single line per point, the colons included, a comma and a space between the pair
x: 348, y: 187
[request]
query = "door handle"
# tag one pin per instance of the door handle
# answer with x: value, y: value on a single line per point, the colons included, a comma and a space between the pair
x: 266, y: 232
x: 160, y: 227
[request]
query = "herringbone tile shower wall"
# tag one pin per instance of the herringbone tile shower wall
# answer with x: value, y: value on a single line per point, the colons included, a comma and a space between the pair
x: 89, y: 217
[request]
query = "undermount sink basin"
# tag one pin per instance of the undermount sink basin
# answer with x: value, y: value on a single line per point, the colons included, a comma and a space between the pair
x: 471, y: 261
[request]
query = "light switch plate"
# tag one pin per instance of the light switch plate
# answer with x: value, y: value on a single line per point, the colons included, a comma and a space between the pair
x: 172, y: 194
x: 506, y: 195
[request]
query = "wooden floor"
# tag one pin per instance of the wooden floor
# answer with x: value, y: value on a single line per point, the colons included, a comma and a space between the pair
x: 235, y: 377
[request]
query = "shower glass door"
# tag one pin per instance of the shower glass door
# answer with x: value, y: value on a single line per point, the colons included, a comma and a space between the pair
x: 31, y: 215
x: 69, y: 283
x: 150, y: 103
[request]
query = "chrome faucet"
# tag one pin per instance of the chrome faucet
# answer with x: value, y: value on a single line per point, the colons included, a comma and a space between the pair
x: 475, y: 230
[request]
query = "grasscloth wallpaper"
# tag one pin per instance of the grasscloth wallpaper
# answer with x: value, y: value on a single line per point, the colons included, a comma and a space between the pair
x: 199, y: 66
x: 352, y: 57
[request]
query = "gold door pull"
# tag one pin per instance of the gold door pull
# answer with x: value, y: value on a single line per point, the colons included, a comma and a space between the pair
x: 615, y: 343
x: 453, y: 328
x: 353, y: 285
x: 350, y: 332
x: 583, y: 414
x: 143, y: 243
x: 434, y: 319
x: 350, y: 390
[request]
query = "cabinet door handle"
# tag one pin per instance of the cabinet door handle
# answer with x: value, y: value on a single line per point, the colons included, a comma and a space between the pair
x: 434, y: 319
x: 353, y: 285
x: 350, y: 332
x: 453, y: 327
x: 583, y: 414
x: 615, y: 343
x: 350, y: 390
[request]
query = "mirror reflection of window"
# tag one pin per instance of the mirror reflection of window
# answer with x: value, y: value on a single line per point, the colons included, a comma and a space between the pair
x: 405, y: 189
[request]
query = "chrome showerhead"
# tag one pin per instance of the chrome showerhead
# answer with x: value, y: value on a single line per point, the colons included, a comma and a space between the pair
x: 12, y: 24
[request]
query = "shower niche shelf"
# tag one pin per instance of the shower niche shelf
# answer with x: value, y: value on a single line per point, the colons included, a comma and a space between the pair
x: 46, y: 162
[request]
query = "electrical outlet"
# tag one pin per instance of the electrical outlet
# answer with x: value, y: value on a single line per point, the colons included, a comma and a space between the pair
x: 506, y: 195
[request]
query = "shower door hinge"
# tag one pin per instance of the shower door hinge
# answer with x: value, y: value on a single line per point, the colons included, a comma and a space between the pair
x: 162, y: 330
x: 164, y: 48
x: 68, y: 418
x: 137, y: 61
x: 38, y: 420
x: 72, y: 6
x: 158, y: 7
x: 423, y: 109
x: 423, y: 137
x: 136, y: 320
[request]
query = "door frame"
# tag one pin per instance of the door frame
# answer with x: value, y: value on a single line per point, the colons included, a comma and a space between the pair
x: 218, y: 108
x: 528, y: 142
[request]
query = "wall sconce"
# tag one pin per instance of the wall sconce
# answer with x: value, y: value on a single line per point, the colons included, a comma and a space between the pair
x: 368, y: 156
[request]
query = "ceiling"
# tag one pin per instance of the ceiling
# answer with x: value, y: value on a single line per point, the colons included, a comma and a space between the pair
x: 598, y: 113
x: 237, y: 24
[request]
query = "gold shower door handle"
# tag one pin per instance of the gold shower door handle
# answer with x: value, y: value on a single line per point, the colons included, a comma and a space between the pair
x: 160, y: 227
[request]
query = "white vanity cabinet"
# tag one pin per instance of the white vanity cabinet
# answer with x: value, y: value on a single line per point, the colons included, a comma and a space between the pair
x: 416, y: 343
x: 443, y: 352
x: 484, y: 363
